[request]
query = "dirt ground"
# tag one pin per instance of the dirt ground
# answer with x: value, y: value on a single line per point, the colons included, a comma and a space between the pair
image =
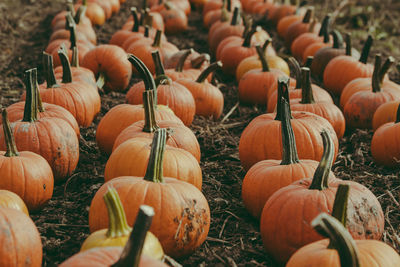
x: 233, y: 239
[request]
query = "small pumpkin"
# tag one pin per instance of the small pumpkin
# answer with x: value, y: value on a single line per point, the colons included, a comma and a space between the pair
x: 385, y: 113
x: 11, y: 200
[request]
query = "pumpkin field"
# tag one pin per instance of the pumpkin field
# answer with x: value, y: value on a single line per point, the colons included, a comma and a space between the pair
x: 255, y: 96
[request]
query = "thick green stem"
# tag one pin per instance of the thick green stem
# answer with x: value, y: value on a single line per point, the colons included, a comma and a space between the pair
x: 182, y: 59
x: 325, y: 26
x: 36, y: 86
x: 309, y: 61
x: 161, y: 77
x: 30, y: 109
x: 247, y: 39
x: 130, y: 256
x: 150, y: 123
x: 80, y: 13
x: 157, y: 39
x: 144, y: 72
x: 341, y: 239
x: 135, y: 17
x: 349, y: 48
x: 289, y: 153
x: 326, y: 38
x: 306, y: 90
x: 266, y: 44
x: 309, y: 15
x: 283, y: 92
x: 154, y: 170
x: 210, y: 69
x: 339, y: 210
x: 263, y: 59
x: 198, y: 61
x: 8, y: 136
x: 229, y: 5
x: 72, y: 30
x: 75, y: 57
x: 385, y: 68
x: 235, y: 17
x: 295, y: 68
x: 337, y: 40
x: 321, y: 175
x: 146, y: 31
x: 66, y: 67
x: 48, y: 66
x: 376, y: 85
x: 70, y: 7
x: 366, y: 49
x: 118, y: 226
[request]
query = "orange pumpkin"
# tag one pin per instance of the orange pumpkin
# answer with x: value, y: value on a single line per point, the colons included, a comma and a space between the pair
x: 285, y: 22
x: 385, y: 113
x: 307, y: 25
x: 301, y: 201
x: 175, y: 19
x: 179, y: 72
x: 11, y: 200
x: 186, y: 204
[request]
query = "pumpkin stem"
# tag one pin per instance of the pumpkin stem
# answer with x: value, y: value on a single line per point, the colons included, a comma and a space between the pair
x: 146, y: 31
x: 263, y: 59
x: 283, y: 92
x: 75, y: 57
x: 308, y: 62
x: 398, y: 114
x: 306, y: 90
x: 8, y: 136
x: 135, y: 17
x: 72, y: 30
x: 385, y: 68
x: 36, y: 86
x: 161, y: 77
x: 247, y: 39
x: 150, y: 123
x: 48, y: 67
x: 210, y: 69
x: 198, y: 61
x: 80, y: 13
x: 376, y: 85
x: 67, y: 74
x: 144, y: 4
x: 70, y: 7
x: 366, y: 49
x: 147, y: 18
x: 339, y: 210
x: 266, y: 44
x: 118, y: 225
x: 157, y: 39
x: 289, y: 153
x: 235, y: 16
x: 337, y: 40
x: 321, y: 174
x: 325, y: 26
x: 154, y: 170
x: 229, y: 5
x: 30, y: 109
x: 130, y: 256
x: 144, y: 72
x: 341, y: 239
x: 295, y: 67
x: 308, y: 16
x: 349, y: 45
x: 182, y: 59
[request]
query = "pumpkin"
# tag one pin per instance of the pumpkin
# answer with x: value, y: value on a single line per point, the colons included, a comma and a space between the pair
x: 327, y: 110
x: 20, y: 243
x: 179, y: 72
x: 153, y: 20
x: 208, y: 98
x: 361, y: 106
x: 11, y: 200
x: 170, y: 93
x: 384, y: 146
x: 175, y: 19
x: 52, y: 138
x: 281, y: 11
x: 285, y: 22
x: 254, y: 84
x: 193, y: 61
x: 267, y: 176
x: 117, y: 233
x: 217, y: 4
x: 257, y: 140
x: 94, y: 12
x: 313, y: 48
x: 215, y: 15
x: 306, y: 39
x: 182, y: 136
x: 308, y: 24
x: 130, y: 255
x: 181, y: 227
x: 288, y: 212
x: 109, y: 63
x: 16, y: 110
x: 82, y: 21
x: 341, y: 250
x: 385, y: 113
x: 343, y: 69
x: 120, y: 36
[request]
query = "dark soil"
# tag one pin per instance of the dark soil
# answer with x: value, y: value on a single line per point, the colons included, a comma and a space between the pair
x: 233, y: 239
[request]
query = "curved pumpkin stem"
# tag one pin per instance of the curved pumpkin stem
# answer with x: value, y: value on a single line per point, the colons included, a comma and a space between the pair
x: 150, y: 123
x: 376, y: 86
x: 80, y: 13
x: 385, y: 68
x: 154, y: 170
x: 289, y: 153
x: 8, y: 136
x: 157, y: 39
x: 30, y: 109
x: 36, y: 87
x: 308, y: 62
x: 118, y: 226
x: 365, y: 51
x: 295, y: 67
x: 337, y: 39
x: 75, y: 57
x: 51, y: 80
x: 130, y: 256
x: 266, y: 44
x: 324, y: 31
x: 72, y: 30
x: 146, y: 31
x: 161, y: 77
x: 182, y: 59
x: 247, y: 39
x: 70, y: 7
x: 309, y: 15
x: 321, y: 175
x: 67, y: 73
x: 135, y: 18
x: 283, y: 92
x: 341, y: 239
x: 235, y: 17
x: 198, y: 61
x: 339, y: 210
x: 263, y: 59
x: 210, y: 69
x: 306, y: 90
